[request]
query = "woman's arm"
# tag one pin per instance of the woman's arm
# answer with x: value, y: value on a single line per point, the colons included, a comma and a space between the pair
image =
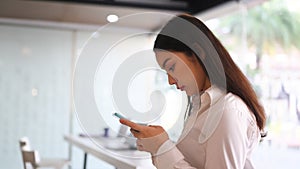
x: 169, y: 157
x: 155, y: 140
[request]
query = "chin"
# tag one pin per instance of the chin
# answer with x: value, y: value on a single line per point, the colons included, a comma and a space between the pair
x: 189, y: 93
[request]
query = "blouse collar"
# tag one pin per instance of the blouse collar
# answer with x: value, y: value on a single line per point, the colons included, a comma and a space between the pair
x: 209, y: 96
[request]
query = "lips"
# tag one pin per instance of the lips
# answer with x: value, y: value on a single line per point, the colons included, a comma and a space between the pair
x: 181, y: 88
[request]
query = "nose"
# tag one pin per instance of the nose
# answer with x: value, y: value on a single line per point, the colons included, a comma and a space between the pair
x: 171, y: 80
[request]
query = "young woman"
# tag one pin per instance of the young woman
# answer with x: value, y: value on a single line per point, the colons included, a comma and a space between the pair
x: 225, y: 119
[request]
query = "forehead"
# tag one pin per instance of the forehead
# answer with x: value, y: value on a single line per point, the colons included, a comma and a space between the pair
x: 162, y: 56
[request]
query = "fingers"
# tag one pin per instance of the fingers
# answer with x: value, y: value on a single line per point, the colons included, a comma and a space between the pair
x: 142, y: 131
x: 134, y: 126
x: 135, y: 133
x: 139, y: 145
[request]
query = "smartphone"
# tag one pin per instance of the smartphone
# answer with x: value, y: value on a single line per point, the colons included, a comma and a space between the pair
x: 119, y: 115
x: 122, y: 117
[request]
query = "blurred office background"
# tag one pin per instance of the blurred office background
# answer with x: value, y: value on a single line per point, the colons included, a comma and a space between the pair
x: 40, y: 42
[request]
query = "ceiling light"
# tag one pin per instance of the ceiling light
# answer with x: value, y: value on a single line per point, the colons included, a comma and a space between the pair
x: 112, y: 18
x: 34, y: 92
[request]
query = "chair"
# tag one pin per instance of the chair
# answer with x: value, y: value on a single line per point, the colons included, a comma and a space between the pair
x: 31, y: 157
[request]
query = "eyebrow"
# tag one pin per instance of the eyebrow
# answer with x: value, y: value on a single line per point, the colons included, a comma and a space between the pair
x: 164, y: 64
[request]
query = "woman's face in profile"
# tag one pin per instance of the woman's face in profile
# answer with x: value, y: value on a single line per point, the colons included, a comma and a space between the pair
x: 184, y: 71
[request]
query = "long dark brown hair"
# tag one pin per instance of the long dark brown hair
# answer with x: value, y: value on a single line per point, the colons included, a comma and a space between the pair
x: 183, y: 32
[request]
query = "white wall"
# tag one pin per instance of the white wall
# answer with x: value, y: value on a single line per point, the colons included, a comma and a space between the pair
x: 35, y: 91
x: 36, y: 66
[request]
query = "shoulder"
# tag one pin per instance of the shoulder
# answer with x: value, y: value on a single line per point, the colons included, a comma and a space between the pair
x: 236, y: 113
x: 234, y: 102
x: 228, y: 115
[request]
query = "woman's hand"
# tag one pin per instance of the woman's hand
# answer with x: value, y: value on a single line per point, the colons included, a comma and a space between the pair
x: 149, y: 138
x: 142, y: 131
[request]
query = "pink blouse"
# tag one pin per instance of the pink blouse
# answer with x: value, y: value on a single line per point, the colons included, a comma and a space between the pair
x: 219, y: 134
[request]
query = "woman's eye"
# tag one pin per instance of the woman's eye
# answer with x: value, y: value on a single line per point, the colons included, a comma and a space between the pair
x: 172, y: 68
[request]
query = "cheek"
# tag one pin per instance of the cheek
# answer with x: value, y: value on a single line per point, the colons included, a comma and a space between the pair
x: 188, y: 74
x: 181, y: 74
x: 194, y: 79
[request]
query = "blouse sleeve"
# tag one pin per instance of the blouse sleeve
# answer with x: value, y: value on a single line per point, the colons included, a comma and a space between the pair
x: 169, y: 157
x: 227, y: 146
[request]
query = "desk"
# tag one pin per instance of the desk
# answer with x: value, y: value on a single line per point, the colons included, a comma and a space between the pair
x: 121, y: 159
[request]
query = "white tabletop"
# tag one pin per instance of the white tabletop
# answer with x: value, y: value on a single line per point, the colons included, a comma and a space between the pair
x: 120, y: 158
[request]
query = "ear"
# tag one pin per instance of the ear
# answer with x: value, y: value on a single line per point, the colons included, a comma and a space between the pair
x: 199, y: 51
